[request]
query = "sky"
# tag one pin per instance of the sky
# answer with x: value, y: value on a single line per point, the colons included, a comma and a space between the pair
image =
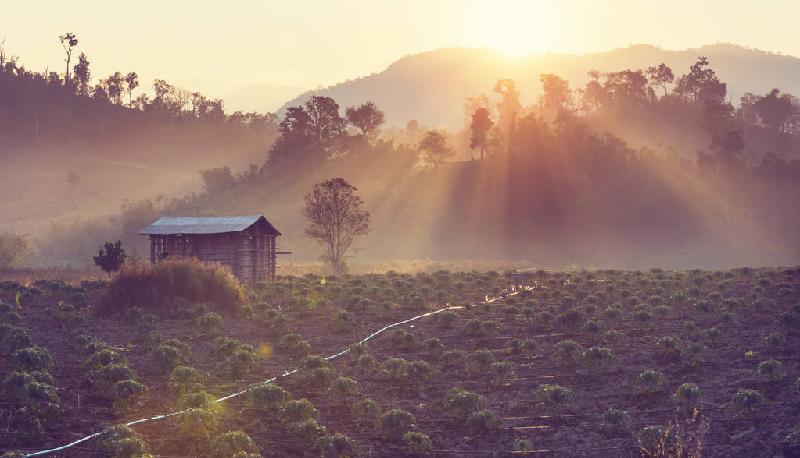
x: 221, y: 47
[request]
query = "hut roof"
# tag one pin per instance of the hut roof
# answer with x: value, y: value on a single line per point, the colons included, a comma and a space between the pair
x: 169, y: 225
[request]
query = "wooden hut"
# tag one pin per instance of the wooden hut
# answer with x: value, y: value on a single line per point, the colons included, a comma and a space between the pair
x: 244, y: 244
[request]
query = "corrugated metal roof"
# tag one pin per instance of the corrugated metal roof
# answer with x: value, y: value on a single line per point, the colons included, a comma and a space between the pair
x: 201, y: 224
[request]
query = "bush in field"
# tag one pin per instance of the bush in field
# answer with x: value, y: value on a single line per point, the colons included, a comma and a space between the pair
x: 168, y: 286
x: 771, y: 371
x: 13, y: 339
x: 103, y: 357
x: 337, y: 446
x: 555, y: 395
x: 615, y: 421
x: 243, y: 361
x: 396, y: 368
x: 344, y: 388
x: 417, y: 443
x: 775, y: 342
x: 748, y: 402
x: 695, y: 353
x: 404, y: 340
x: 210, y: 324
x: 367, y: 411
x: 198, y: 400
x: 650, y: 381
x: 654, y: 441
x: 597, y: 357
x: 567, y: 352
x: 453, y: 359
x: 572, y: 319
x: 125, y: 392
x: 299, y: 410
x: 481, y: 422
x: 185, y: 379
x: 460, y: 403
x: 419, y: 372
x: 668, y: 349
x: 446, y: 319
x: 523, y: 347
x: 433, y: 345
x: 478, y: 362
x: 122, y: 442
x: 395, y: 423
x: 164, y: 359
x: 39, y: 398
x: 197, y: 426
x: 103, y: 378
x: 233, y: 444
x: 687, y: 398
x: 367, y: 364
x: 268, y: 398
x: 14, y: 383
x: 32, y: 359
x: 294, y: 345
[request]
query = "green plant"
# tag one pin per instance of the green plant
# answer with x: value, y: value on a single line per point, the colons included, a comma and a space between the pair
x: 453, y: 359
x: 268, y: 398
x: 771, y: 371
x: 419, y: 372
x: 197, y: 425
x: 748, y: 401
x: 210, y: 324
x: 597, y: 357
x: 478, y: 362
x: 185, y: 379
x: 396, y: 368
x: 615, y: 421
x: 308, y: 430
x: 198, y: 400
x: 294, y: 345
x: 775, y: 341
x: 122, y: 442
x: 299, y: 410
x: 500, y: 372
x: 417, y: 443
x: 567, y: 352
x: 164, y: 359
x: 31, y: 359
x: 650, y: 381
x: 367, y: 411
x: 481, y: 422
x: 687, y: 398
x: 231, y: 444
x: 337, y: 446
x: 460, y: 403
x: 345, y: 387
x: 243, y: 361
x: 124, y: 392
x: 395, y: 423
x: 555, y: 395
x: 103, y: 378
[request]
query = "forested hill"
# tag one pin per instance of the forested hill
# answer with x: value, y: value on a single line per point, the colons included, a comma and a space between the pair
x: 427, y: 86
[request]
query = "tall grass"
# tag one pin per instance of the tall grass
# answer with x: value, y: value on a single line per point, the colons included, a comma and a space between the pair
x: 168, y: 286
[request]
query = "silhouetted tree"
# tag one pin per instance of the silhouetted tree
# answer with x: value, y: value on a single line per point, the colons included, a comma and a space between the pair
x: 480, y: 126
x: 728, y: 147
x: 68, y: 41
x: 660, y: 76
x: 701, y: 85
x: 434, y: 148
x: 367, y: 118
x: 309, y: 132
x: 111, y: 257
x: 556, y: 96
x: 776, y: 111
x: 509, y: 106
x: 336, y: 217
x: 114, y: 86
x: 82, y: 75
x: 131, y: 83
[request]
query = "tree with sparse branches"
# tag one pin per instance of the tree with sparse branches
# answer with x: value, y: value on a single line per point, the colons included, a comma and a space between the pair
x: 336, y: 217
x: 111, y: 257
x: 480, y: 126
x: 68, y: 41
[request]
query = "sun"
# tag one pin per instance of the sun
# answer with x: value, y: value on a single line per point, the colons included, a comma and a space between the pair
x: 514, y: 28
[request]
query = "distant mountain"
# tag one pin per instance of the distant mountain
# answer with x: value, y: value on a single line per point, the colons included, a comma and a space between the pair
x: 431, y: 86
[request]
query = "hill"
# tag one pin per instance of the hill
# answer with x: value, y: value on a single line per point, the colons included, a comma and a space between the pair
x: 431, y: 87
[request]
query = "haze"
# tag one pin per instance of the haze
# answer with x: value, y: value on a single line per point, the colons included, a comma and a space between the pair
x: 281, y: 48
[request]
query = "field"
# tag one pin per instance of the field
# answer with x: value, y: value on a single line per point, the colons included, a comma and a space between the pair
x: 573, y: 364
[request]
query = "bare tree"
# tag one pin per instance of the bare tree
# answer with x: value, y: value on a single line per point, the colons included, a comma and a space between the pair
x: 68, y: 41
x: 336, y: 218
x: 131, y: 83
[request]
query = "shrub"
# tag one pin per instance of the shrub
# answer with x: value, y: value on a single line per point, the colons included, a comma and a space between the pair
x: 395, y: 423
x: 572, y: 319
x: 567, y: 352
x: 308, y: 430
x: 337, y: 446
x: 404, y: 340
x: 748, y: 401
x: 650, y: 381
x: 481, y: 422
x: 242, y: 361
x: 40, y: 398
x: 185, y: 379
x: 14, y: 383
x: 122, y: 442
x: 446, y: 319
x: 417, y: 443
x: 453, y: 359
x: 596, y: 357
x: 103, y: 357
x: 695, y: 353
x: 478, y: 362
x: 231, y: 444
x: 555, y: 395
x: 775, y: 341
x: 771, y: 371
x: 197, y: 425
x: 418, y: 372
x: 198, y: 400
x: 104, y: 378
x: 616, y: 421
x: 396, y: 367
x: 210, y: 324
x: 460, y: 403
x: 32, y: 359
x: 169, y: 285
x: 14, y: 339
x: 294, y: 345
x: 687, y: 397
x: 345, y: 387
x: 164, y: 359
x: 653, y: 441
x: 268, y: 397
x: 299, y: 410
x: 367, y: 364
x: 367, y: 411
x: 124, y: 392
x: 433, y: 345
x: 524, y: 347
